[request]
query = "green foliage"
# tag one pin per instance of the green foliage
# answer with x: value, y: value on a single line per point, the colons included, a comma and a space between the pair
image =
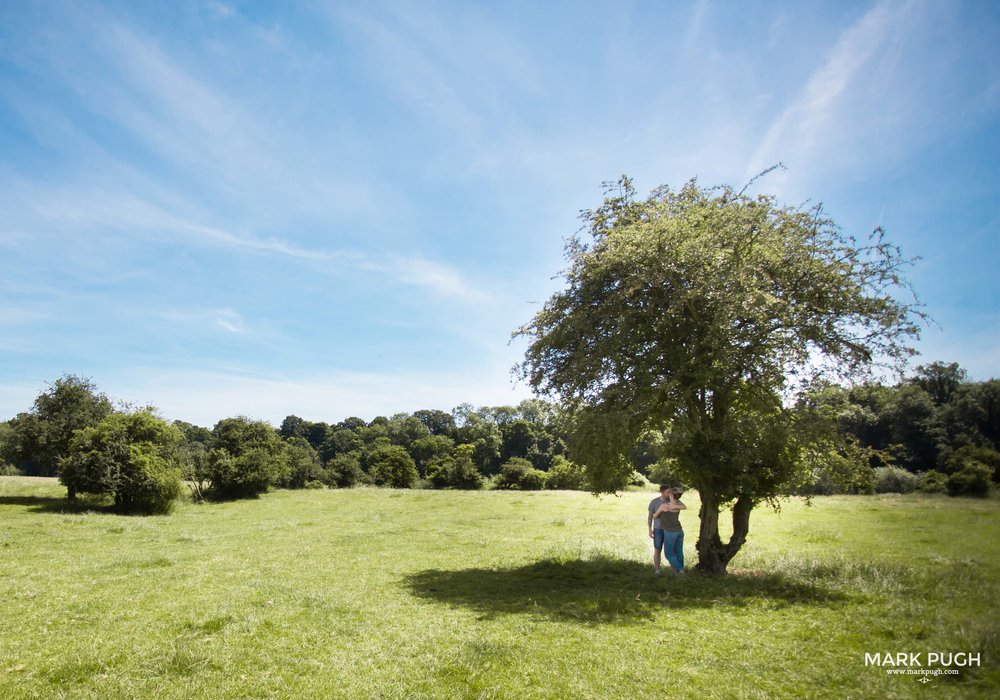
x: 247, y: 458
x: 437, y: 422
x: 340, y: 441
x: 455, y: 472
x: 973, y: 479
x: 518, y: 474
x: 344, y: 471
x: 894, y: 480
x: 293, y: 427
x: 691, y: 307
x: 638, y: 480
x: 41, y: 438
x: 566, y: 475
x: 835, y: 466
x: 303, y: 464
x: 687, y: 312
x: 391, y: 465
x: 133, y: 457
x: 932, y: 482
x: 428, y: 449
x: 968, y: 454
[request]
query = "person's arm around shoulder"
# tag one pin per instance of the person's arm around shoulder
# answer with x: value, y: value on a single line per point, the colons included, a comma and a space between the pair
x: 671, y: 505
x: 675, y: 503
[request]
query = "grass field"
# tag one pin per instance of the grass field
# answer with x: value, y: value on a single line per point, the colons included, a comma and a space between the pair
x: 399, y: 594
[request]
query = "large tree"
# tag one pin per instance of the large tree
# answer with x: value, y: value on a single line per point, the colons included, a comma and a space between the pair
x: 41, y: 437
x: 692, y: 312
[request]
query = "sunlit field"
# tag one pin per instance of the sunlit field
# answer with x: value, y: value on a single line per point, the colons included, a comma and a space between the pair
x: 399, y: 594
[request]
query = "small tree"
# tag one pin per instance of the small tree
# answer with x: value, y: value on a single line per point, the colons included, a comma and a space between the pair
x: 134, y: 457
x: 458, y: 472
x: 391, y: 465
x: 303, y: 464
x: 518, y: 474
x: 41, y: 437
x: 246, y: 459
x: 344, y: 471
x: 564, y: 474
x: 690, y: 312
x: 973, y: 479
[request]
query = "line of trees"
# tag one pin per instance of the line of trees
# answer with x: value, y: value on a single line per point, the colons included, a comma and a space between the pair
x: 134, y: 457
x: 935, y: 432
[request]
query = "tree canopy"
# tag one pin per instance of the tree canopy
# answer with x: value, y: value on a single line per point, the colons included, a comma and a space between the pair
x: 693, y: 311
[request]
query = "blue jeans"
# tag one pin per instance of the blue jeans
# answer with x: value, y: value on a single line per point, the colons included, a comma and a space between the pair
x: 672, y: 544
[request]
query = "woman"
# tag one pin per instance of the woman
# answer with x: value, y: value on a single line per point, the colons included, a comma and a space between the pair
x: 670, y: 534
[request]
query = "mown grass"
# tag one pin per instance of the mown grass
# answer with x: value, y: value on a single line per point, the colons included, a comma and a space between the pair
x: 400, y: 594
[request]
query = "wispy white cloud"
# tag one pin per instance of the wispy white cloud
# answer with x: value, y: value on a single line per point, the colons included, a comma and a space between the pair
x: 228, y: 320
x: 83, y: 208
x: 439, y: 278
x: 794, y: 136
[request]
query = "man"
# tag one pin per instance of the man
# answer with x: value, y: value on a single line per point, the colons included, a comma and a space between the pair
x: 665, y: 528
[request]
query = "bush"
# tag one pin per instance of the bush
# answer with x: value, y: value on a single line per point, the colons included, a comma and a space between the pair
x: 458, y: 472
x: 391, y: 465
x: 932, y: 482
x: 983, y: 455
x: 314, y: 485
x: 639, y: 481
x: 564, y: 474
x: 518, y: 474
x: 10, y: 470
x: 835, y: 469
x: 133, y: 457
x: 304, y: 466
x: 972, y: 480
x: 894, y: 480
x: 664, y: 471
x: 247, y: 458
x: 344, y: 471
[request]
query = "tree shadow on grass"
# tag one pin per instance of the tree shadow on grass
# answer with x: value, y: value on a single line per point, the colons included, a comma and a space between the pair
x: 601, y: 590
x: 53, y: 504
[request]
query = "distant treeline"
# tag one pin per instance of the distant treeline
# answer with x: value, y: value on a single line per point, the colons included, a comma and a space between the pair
x: 935, y: 431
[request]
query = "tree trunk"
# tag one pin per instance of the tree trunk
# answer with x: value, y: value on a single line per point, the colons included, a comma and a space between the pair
x: 71, y: 493
x: 713, y: 555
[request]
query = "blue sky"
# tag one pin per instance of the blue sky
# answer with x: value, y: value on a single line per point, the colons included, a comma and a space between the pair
x: 345, y: 208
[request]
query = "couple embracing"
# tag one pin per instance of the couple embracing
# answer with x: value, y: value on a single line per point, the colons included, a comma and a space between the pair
x: 665, y: 528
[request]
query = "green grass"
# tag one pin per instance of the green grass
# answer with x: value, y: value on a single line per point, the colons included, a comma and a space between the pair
x: 401, y: 594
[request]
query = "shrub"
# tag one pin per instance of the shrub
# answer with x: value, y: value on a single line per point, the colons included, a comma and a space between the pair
x: 932, y: 482
x: 664, y: 471
x: 314, y: 485
x: 983, y: 455
x: 972, y: 480
x: 247, y: 458
x: 518, y: 474
x: 303, y: 463
x: 894, y: 480
x: 564, y: 474
x: 834, y: 469
x: 344, y: 471
x: 133, y: 457
x: 458, y: 472
x: 391, y: 465
x: 9, y: 470
x: 639, y: 481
